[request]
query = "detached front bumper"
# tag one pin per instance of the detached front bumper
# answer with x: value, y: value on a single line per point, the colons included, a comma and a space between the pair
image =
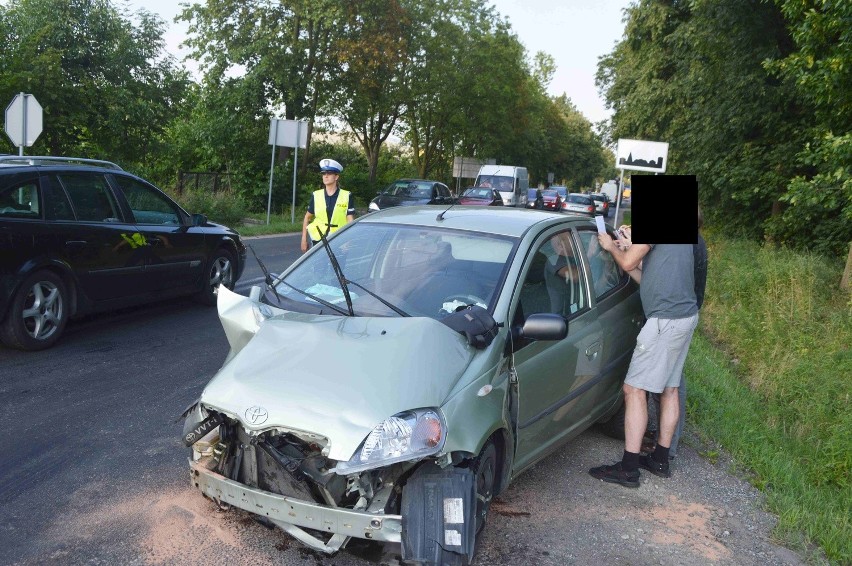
x: 289, y: 511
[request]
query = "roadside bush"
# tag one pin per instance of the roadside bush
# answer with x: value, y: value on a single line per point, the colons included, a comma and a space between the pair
x: 221, y: 207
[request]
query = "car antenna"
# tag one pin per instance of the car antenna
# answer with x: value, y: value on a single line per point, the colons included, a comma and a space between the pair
x: 441, y: 215
x: 337, y: 271
x: 270, y: 282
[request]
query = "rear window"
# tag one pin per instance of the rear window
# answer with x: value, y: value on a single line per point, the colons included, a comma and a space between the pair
x: 579, y: 199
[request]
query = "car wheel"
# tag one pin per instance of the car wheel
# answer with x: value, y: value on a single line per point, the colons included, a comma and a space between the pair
x: 220, y: 271
x: 37, y: 314
x: 485, y: 473
x: 614, y: 426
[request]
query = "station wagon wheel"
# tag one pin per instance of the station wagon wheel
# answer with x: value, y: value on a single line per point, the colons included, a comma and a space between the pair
x: 220, y: 271
x: 37, y: 314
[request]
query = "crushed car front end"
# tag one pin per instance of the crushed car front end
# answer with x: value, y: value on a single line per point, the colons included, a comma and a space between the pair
x: 286, y: 477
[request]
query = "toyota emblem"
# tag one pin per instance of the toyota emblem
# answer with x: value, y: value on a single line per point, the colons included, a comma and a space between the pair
x: 256, y: 415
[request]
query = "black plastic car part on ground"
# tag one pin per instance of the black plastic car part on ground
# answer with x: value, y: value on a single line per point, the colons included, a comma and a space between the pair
x: 80, y: 236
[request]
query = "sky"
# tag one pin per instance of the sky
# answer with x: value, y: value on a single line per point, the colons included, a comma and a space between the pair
x: 574, y: 32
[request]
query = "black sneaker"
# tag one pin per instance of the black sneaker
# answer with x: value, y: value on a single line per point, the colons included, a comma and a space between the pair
x: 614, y: 474
x: 656, y: 468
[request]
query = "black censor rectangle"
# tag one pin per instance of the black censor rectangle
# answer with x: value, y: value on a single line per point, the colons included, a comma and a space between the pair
x: 664, y: 209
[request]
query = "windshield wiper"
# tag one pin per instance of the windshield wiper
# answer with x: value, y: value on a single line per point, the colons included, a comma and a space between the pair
x: 314, y: 297
x: 395, y: 309
x: 337, y: 271
x: 270, y: 282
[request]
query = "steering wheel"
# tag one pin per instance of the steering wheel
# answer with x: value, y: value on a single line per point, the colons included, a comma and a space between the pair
x: 466, y: 298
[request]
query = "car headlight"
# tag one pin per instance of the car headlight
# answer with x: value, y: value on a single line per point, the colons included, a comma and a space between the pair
x: 409, y: 435
x: 373, y: 206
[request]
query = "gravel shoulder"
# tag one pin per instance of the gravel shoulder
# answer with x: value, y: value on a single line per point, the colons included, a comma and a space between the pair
x: 554, y: 514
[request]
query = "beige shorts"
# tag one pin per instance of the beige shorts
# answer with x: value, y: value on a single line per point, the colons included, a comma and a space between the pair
x: 660, y: 353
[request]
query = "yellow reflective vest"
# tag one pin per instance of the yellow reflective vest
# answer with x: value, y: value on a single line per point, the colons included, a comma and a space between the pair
x: 321, y: 221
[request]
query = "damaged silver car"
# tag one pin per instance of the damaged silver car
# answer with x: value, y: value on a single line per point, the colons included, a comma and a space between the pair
x: 396, y: 378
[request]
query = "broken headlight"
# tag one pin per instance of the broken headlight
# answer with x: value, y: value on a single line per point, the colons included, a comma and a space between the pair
x: 410, y: 435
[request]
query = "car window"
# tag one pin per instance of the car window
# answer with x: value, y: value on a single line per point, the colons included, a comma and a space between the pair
x: 20, y: 200
x: 554, y: 280
x: 579, y: 199
x: 149, y: 206
x: 605, y: 273
x: 423, y: 271
x: 90, y: 196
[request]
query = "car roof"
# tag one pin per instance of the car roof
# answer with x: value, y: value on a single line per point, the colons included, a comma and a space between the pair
x: 503, y: 221
x: 20, y: 161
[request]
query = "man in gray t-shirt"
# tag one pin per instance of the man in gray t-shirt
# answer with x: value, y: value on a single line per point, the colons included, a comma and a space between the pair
x: 667, y: 289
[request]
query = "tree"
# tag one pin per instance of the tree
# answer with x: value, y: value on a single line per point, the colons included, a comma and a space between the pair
x: 281, y: 47
x: 693, y: 74
x: 105, y: 85
x: 370, y: 60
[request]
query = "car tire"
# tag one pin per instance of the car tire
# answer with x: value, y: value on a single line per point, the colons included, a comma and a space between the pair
x: 220, y: 270
x: 38, y: 313
x: 485, y: 469
x: 614, y: 426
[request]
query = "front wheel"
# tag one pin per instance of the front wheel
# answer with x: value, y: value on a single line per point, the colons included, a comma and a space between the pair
x: 38, y: 313
x: 221, y: 270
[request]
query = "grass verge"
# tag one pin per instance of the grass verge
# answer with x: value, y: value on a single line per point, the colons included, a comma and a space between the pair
x: 771, y: 380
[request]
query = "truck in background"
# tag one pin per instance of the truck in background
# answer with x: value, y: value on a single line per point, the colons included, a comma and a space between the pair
x: 510, y: 181
x: 610, y: 189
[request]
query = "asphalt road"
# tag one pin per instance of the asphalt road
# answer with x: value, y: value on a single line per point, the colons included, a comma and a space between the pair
x: 93, y: 471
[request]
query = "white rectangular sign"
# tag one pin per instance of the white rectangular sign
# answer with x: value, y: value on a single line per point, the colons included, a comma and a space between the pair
x: 287, y: 132
x: 640, y: 155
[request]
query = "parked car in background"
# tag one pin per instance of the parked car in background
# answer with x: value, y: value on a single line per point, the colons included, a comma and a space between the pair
x: 467, y: 346
x: 602, y: 204
x: 562, y: 190
x: 551, y: 200
x: 579, y: 204
x: 481, y: 196
x: 81, y: 236
x: 534, y: 199
x: 410, y: 192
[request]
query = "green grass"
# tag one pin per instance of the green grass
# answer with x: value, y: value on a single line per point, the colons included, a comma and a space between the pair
x: 278, y: 224
x: 770, y: 381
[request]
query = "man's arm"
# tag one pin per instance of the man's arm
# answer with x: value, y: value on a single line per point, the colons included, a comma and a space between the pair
x: 628, y: 259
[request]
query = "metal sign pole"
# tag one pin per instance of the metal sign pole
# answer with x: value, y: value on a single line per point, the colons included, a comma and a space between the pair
x: 295, y: 166
x: 271, y: 170
x: 618, y: 199
x: 23, y: 127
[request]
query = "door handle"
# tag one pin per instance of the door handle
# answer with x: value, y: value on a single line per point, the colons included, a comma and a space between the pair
x: 76, y: 244
x: 593, y: 350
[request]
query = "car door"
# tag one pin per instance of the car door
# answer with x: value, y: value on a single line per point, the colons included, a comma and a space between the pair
x: 619, y: 311
x: 93, y: 236
x: 177, y: 250
x: 556, y: 380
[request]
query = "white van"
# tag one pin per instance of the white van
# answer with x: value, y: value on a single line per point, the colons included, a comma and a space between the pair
x: 610, y: 189
x: 510, y: 181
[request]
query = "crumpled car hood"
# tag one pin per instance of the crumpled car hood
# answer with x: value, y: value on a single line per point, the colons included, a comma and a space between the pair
x: 338, y: 376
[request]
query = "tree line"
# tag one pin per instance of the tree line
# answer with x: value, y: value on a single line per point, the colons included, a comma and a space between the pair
x: 448, y: 78
x: 755, y: 98
x: 752, y: 95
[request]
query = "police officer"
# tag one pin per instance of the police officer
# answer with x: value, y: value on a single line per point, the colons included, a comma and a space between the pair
x: 330, y: 208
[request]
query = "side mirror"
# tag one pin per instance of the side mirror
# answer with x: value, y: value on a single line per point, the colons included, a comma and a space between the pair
x: 543, y: 326
x: 199, y: 219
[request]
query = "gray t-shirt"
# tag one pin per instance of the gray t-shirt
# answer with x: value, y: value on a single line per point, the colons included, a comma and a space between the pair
x: 668, y: 282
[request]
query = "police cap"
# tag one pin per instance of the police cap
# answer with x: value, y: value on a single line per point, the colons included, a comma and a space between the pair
x: 330, y: 165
